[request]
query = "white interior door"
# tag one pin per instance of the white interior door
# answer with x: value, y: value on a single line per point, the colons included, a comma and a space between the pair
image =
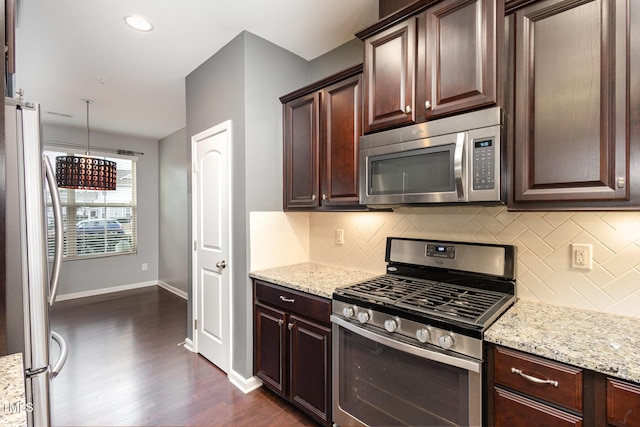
x: 212, y: 263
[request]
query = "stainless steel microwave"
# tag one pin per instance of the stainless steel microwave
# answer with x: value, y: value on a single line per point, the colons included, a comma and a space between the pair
x: 450, y: 160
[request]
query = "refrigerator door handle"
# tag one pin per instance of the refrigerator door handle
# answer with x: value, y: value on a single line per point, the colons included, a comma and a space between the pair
x: 57, y: 216
x: 64, y: 352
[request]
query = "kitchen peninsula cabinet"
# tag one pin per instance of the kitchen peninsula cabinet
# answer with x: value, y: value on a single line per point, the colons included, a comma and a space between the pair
x: 322, y: 128
x: 292, y: 347
x: 439, y: 59
x: 575, y: 92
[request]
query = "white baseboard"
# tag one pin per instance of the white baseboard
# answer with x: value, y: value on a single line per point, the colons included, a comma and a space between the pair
x: 102, y: 291
x: 173, y: 289
x: 188, y: 344
x: 246, y: 385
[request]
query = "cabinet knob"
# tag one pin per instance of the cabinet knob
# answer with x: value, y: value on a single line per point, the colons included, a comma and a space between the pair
x: 290, y: 326
x: 427, y: 104
x: 280, y: 322
x: 620, y: 182
x: 313, y: 197
x: 407, y: 109
x: 324, y: 197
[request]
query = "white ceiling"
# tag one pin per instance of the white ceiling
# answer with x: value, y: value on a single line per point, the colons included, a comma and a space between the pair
x: 65, y: 47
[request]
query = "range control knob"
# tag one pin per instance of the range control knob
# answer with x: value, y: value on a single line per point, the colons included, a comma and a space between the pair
x: 445, y: 342
x: 422, y: 335
x: 347, y: 312
x: 363, y: 317
x: 390, y: 325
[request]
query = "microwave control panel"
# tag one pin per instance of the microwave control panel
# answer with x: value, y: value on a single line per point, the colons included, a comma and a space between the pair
x: 483, y: 164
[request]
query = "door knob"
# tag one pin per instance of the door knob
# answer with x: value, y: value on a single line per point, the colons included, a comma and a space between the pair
x: 221, y: 264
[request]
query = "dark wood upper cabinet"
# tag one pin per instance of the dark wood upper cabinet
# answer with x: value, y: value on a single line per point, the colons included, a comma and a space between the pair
x: 571, y: 110
x: 302, y: 151
x: 342, y: 128
x: 438, y: 60
x: 389, y: 71
x: 322, y: 129
x: 457, y: 48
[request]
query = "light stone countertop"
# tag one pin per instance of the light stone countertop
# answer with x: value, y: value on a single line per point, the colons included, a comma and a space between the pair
x: 316, y: 279
x: 12, y: 400
x: 599, y: 341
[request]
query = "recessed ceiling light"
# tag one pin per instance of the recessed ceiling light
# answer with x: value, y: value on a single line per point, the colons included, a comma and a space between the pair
x: 138, y: 22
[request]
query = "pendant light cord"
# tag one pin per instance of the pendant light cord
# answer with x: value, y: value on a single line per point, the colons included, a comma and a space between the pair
x: 87, y: 101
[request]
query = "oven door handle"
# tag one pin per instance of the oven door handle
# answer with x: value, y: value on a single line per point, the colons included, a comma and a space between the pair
x: 456, y: 361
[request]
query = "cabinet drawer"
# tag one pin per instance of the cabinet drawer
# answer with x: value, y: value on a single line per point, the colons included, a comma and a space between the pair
x: 623, y: 403
x: 514, y: 410
x: 310, y: 306
x: 520, y: 371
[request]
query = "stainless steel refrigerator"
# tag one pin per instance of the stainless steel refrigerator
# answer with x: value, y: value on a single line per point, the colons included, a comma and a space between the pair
x: 31, y: 282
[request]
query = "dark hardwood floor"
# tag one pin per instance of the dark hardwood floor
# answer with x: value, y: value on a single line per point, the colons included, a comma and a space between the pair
x: 126, y: 367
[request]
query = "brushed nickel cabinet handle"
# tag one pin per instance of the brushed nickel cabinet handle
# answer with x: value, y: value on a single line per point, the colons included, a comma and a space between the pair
x: 285, y: 299
x: 534, y: 379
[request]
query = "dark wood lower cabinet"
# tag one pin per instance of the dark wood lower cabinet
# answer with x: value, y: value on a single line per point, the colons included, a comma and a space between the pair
x: 292, y: 347
x: 565, y: 396
x: 310, y: 353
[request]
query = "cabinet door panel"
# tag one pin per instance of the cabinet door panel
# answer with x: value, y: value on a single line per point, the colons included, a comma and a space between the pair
x: 301, y: 151
x: 310, y: 367
x: 456, y: 57
x: 389, y: 61
x: 623, y: 403
x: 269, y: 347
x: 342, y: 131
x: 515, y: 410
x: 571, y: 102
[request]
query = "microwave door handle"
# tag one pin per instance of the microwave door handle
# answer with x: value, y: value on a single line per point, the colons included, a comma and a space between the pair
x: 458, y: 164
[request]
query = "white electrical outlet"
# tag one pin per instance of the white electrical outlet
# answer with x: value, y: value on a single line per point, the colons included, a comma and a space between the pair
x: 145, y: 266
x: 582, y: 256
x: 339, y: 236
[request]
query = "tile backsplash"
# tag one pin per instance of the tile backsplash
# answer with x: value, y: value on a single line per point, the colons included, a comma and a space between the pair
x: 544, y: 271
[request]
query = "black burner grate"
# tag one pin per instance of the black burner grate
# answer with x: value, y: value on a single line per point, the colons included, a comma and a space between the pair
x: 457, y: 302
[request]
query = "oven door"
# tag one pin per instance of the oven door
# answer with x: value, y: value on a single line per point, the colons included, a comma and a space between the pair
x: 378, y: 380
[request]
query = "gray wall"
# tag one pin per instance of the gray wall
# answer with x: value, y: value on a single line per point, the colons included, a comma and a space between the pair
x: 173, y: 268
x: 99, y: 273
x: 349, y: 54
x: 243, y: 82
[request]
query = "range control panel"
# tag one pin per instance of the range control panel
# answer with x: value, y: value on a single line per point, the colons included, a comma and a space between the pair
x: 441, y: 251
x: 483, y: 164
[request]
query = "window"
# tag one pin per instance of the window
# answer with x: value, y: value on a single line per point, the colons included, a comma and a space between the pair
x: 96, y: 222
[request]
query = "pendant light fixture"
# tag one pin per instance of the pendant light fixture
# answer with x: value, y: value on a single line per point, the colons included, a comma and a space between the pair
x: 85, y: 172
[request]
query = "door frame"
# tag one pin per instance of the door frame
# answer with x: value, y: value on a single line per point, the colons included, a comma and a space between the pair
x: 225, y: 126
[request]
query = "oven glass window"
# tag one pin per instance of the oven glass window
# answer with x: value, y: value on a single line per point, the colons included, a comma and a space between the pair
x: 428, y: 170
x: 379, y: 385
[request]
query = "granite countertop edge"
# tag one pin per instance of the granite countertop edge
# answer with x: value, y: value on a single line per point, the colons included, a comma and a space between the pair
x: 599, y: 341
x: 312, y: 278
x: 12, y: 411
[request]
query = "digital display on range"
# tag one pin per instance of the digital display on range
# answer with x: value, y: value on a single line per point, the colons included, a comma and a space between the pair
x: 441, y: 251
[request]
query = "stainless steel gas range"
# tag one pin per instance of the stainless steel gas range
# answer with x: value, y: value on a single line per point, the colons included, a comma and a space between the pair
x: 407, y: 345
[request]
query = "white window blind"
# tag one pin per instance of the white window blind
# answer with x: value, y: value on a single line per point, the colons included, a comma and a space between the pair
x: 96, y: 222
